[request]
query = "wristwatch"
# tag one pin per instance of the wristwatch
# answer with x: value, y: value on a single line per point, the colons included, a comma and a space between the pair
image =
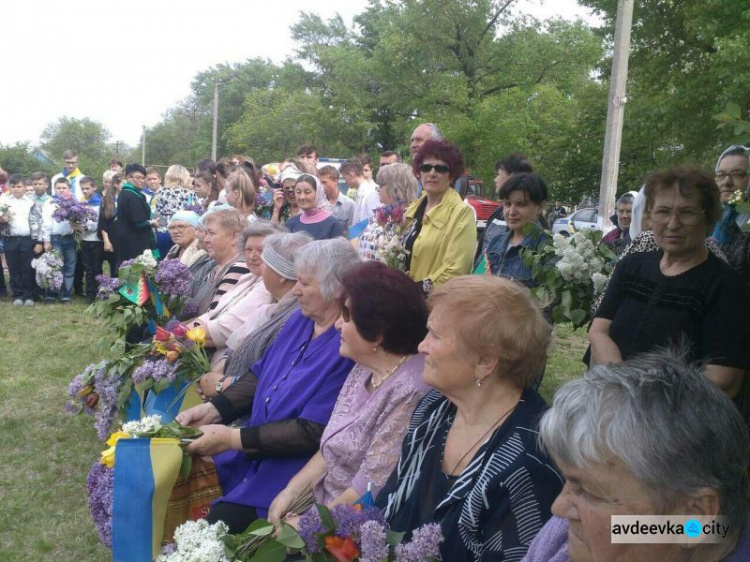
x: 220, y: 383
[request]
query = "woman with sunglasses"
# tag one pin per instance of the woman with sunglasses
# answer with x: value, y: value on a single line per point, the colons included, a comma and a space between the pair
x: 440, y: 233
x: 682, y: 293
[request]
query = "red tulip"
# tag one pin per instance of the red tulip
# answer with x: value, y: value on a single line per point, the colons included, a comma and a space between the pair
x: 161, y: 334
x: 343, y: 550
x: 180, y: 331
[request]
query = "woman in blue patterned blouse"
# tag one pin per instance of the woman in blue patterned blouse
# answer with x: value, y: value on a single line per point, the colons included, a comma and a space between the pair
x: 470, y: 460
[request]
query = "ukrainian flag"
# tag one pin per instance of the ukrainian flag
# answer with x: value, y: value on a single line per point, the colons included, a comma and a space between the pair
x: 145, y: 473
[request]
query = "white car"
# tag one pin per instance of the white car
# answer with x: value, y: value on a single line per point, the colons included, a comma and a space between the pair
x: 582, y: 219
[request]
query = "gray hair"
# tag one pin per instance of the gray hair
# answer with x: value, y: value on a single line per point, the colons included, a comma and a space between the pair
x: 400, y: 181
x: 626, y: 199
x: 286, y: 246
x: 435, y: 132
x: 671, y: 427
x: 259, y: 228
x: 327, y: 261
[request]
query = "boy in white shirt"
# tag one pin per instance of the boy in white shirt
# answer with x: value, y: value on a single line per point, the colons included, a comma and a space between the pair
x: 18, y: 240
x: 92, y: 248
x: 59, y: 235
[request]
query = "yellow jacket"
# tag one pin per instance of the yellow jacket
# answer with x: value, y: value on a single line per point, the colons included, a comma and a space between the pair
x: 446, y: 244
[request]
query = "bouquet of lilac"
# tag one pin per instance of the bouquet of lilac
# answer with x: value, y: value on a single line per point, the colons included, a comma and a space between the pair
x: 346, y: 533
x: 71, y: 210
x: 197, y: 208
x: 48, y: 268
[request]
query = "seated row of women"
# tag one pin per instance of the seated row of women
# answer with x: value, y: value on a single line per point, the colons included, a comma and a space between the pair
x: 346, y: 382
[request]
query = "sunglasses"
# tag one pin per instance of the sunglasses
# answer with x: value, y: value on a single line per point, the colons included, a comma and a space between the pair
x: 346, y: 314
x: 439, y: 168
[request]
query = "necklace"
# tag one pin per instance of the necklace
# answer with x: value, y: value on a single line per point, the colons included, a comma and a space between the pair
x: 478, y: 441
x: 375, y: 385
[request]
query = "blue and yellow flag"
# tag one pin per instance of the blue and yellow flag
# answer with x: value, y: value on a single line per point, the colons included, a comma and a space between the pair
x: 145, y: 473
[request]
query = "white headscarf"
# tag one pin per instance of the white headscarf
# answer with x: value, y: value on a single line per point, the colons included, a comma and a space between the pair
x: 290, y: 173
x: 639, y: 205
x: 320, y: 195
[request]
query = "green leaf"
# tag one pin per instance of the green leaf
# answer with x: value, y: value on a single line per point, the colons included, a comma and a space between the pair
x: 579, y: 317
x: 393, y: 538
x: 733, y: 110
x: 186, y: 466
x: 325, y: 517
x: 289, y: 537
x: 270, y: 551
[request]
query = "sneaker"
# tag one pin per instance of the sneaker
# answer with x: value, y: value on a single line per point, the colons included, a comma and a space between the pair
x: 18, y: 302
x: 66, y: 301
x: 28, y: 302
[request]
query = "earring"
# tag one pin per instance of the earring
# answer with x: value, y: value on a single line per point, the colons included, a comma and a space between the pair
x: 375, y: 348
x: 478, y: 382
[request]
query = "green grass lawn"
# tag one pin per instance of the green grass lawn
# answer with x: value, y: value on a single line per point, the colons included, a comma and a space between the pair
x: 46, y: 453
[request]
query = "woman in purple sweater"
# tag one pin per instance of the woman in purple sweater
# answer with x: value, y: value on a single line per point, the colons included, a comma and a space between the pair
x: 651, y: 436
x: 383, y: 319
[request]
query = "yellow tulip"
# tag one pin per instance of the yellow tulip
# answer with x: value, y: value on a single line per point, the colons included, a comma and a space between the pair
x: 198, y: 335
x: 108, y: 456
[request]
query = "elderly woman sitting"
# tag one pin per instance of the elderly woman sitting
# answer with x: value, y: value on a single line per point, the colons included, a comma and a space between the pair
x: 249, y: 342
x: 223, y: 228
x: 183, y: 228
x: 248, y: 297
x: 632, y: 439
x: 299, y: 379
x: 682, y: 292
x: 470, y: 460
x: 382, y: 322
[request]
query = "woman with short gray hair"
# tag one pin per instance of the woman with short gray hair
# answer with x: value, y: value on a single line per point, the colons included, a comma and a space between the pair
x: 634, y: 439
x: 248, y: 298
x: 298, y: 381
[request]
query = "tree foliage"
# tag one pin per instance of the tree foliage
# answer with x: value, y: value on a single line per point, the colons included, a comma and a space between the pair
x: 86, y: 137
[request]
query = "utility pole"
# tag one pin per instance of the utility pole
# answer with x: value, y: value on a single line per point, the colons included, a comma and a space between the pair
x: 143, y: 147
x: 216, y: 119
x: 615, y: 112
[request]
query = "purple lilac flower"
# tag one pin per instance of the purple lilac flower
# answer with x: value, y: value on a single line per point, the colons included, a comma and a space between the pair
x: 309, y: 526
x: 172, y: 324
x: 196, y: 208
x: 348, y: 519
x: 107, y: 286
x: 100, y: 487
x: 72, y: 210
x: 372, y: 542
x: 127, y: 263
x: 189, y: 310
x: 173, y: 278
x: 425, y: 542
x: 169, y: 549
x: 74, y: 404
x: 155, y: 369
x: 108, y: 388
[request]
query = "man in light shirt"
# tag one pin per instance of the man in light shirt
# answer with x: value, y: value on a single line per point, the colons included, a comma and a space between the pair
x: 339, y: 205
x: 367, y: 195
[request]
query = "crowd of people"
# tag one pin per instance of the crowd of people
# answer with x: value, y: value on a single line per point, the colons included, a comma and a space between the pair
x: 335, y: 374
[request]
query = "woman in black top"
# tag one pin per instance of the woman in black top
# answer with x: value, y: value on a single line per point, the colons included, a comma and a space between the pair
x: 681, y: 294
x: 133, y: 222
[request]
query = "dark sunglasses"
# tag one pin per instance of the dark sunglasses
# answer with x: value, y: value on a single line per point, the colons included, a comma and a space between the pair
x: 439, y: 168
x: 346, y: 314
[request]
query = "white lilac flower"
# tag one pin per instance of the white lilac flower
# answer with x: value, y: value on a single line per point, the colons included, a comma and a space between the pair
x: 600, y: 281
x: 149, y: 424
x: 198, y: 541
x: 146, y: 259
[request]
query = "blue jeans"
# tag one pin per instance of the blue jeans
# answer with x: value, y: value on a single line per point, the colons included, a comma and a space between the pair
x: 66, y: 245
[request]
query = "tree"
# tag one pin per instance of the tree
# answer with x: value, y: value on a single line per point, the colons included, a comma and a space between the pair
x: 21, y: 158
x: 688, y: 60
x: 88, y: 138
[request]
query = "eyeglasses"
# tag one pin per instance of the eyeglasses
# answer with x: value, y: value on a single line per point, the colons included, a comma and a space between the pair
x: 178, y: 227
x: 687, y: 217
x: 71, y: 162
x: 346, y: 313
x: 137, y: 178
x: 439, y: 168
x: 737, y: 175
x: 253, y: 251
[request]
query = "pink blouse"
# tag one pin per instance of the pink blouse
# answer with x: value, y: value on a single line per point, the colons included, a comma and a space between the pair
x: 362, y: 441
